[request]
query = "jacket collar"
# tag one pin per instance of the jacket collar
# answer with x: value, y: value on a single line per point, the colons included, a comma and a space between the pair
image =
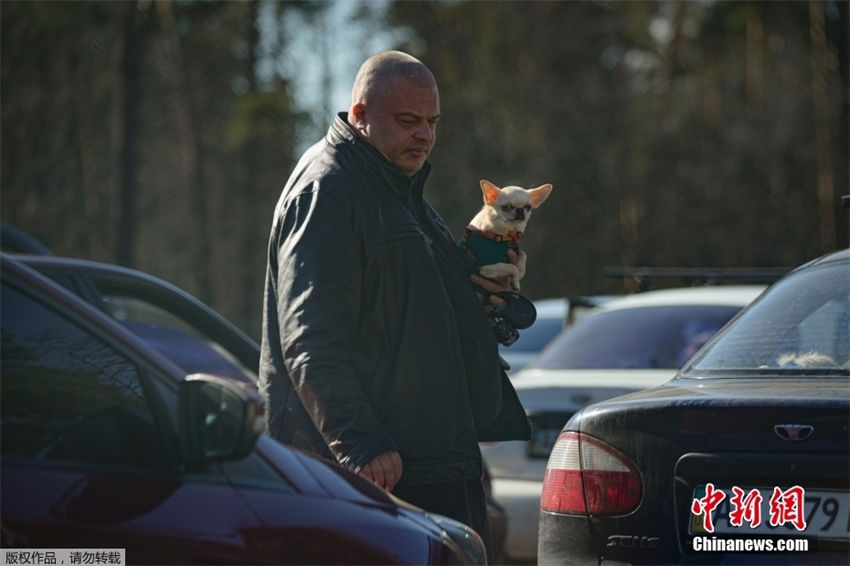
x: 341, y: 134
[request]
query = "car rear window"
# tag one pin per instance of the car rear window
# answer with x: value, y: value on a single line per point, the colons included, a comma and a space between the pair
x: 536, y: 336
x: 663, y: 337
x: 800, y: 326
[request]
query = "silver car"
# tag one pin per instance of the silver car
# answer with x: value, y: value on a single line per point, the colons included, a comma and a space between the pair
x: 624, y: 345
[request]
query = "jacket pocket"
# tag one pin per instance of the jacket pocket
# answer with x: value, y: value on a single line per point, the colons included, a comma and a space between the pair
x: 400, y: 232
x: 379, y: 385
x: 372, y: 371
x: 512, y: 422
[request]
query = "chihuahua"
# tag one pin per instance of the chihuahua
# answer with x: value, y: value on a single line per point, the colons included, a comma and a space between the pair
x: 498, y: 227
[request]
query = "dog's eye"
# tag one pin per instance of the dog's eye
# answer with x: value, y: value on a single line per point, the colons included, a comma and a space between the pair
x: 507, y: 207
x: 527, y: 207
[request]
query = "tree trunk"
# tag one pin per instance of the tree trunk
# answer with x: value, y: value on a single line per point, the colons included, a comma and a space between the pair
x: 254, y: 234
x: 825, y: 189
x: 190, y: 173
x: 131, y: 79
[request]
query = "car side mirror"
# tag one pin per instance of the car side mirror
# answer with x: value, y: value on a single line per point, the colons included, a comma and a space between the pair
x: 218, y: 420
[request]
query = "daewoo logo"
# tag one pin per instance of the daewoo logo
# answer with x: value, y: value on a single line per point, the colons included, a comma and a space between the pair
x: 793, y: 432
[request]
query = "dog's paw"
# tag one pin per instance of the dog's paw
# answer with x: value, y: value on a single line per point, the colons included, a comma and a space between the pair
x: 520, y: 264
x: 499, y: 270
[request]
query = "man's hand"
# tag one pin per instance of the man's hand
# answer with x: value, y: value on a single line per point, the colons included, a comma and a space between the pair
x: 500, y: 285
x: 384, y: 470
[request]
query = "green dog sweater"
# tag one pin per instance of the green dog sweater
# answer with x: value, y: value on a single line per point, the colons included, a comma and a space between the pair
x: 485, y: 248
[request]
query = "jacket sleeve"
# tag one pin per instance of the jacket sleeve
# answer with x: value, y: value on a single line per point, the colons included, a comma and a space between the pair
x: 319, y: 262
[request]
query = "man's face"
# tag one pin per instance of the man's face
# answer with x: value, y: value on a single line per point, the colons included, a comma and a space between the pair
x: 401, y: 122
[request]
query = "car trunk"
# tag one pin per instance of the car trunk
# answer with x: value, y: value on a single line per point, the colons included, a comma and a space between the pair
x: 754, y: 436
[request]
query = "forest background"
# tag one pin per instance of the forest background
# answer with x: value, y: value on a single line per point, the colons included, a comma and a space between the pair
x: 676, y: 134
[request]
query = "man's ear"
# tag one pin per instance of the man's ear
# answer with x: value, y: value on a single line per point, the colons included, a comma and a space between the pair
x: 357, y: 116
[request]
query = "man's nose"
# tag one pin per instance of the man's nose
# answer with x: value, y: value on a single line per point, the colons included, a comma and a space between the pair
x: 425, y: 131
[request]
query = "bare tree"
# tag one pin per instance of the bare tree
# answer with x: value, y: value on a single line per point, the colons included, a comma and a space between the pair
x: 824, y: 172
x: 190, y: 172
x: 134, y: 24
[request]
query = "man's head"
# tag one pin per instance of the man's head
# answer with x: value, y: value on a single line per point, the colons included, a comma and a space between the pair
x: 395, y: 107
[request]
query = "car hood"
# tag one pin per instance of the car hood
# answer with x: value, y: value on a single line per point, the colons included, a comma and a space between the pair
x: 313, y: 476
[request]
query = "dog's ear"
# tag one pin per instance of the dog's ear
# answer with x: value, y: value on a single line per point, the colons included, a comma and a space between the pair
x: 539, y: 194
x: 490, y: 191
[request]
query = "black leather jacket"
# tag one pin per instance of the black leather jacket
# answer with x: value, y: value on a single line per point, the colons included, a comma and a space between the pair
x: 373, y: 338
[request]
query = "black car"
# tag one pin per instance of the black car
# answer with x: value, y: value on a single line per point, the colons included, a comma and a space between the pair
x: 743, y: 457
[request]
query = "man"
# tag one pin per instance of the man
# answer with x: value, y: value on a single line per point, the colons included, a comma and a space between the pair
x: 375, y: 350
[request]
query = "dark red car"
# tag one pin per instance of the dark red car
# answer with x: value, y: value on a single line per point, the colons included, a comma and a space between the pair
x: 106, y: 443
x: 177, y: 325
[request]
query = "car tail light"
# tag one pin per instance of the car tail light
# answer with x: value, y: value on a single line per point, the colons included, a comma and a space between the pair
x: 585, y: 476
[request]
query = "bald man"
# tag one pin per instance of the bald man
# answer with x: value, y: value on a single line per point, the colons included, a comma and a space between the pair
x: 375, y: 350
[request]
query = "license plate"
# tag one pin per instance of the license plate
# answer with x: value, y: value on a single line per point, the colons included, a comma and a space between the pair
x: 542, y: 441
x: 827, y: 515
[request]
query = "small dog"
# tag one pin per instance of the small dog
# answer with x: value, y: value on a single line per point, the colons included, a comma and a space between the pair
x: 498, y: 227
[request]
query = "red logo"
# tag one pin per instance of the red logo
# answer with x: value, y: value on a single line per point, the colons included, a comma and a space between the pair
x: 745, y: 508
x: 705, y: 505
x: 787, y: 507
x: 784, y: 506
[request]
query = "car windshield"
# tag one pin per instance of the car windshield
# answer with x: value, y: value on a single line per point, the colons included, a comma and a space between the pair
x: 533, y: 338
x: 658, y: 337
x: 801, y: 327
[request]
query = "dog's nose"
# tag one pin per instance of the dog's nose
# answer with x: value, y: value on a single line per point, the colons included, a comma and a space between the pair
x: 519, y: 214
